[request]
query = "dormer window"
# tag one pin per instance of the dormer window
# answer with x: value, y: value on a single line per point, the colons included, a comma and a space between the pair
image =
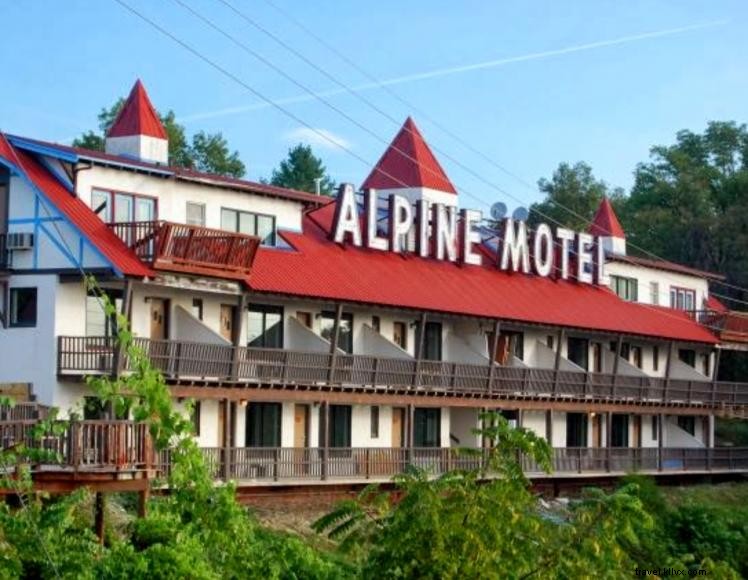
x: 682, y: 298
x: 250, y: 223
x: 120, y: 207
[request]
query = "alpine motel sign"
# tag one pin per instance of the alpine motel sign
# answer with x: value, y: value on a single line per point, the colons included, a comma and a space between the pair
x: 440, y: 234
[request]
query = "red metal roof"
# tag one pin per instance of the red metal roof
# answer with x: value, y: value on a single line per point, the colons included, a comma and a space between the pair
x: 137, y: 116
x: 79, y: 214
x: 319, y: 268
x: 605, y: 222
x: 408, y: 162
x: 664, y: 265
x: 182, y: 173
x: 716, y: 305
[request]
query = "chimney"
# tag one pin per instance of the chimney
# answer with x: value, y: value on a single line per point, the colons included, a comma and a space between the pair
x: 137, y: 131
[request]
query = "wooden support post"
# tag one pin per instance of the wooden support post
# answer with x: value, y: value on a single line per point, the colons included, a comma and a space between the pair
x: 520, y: 417
x: 715, y: 374
x: 226, y: 439
x: 324, y: 419
x: 638, y: 419
x: 557, y: 362
x: 99, y: 508
x: 238, y: 330
x: 419, y: 349
x: 410, y: 412
x: 608, y: 438
x: 493, y: 347
x: 706, y: 436
x: 549, y: 427
x: 616, y: 361
x: 334, y: 342
x: 668, y: 368
x: 660, y: 434
x: 143, y: 497
x: 118, y: 362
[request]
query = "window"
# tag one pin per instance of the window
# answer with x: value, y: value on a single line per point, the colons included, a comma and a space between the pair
x: 97, y: 322
x: 576, y: 429
x: 597, y: 357
x: 432, y: 341
x: 655, y: 357
x: 22, y: 307
x: 687, y: 356
x: 339, y: 431
x: 636, y: 356
x: 263, y: 425
x: 626, y: 288
x: 655, y: 427
x: 705, y: 364
x: 345, y: 333
x: 197, y: 308
x: 619, y: 431
x: 94, y: 409
x: 195, y: 214
x: 375, y: 323
x: 400, y: 334
x: 550, y: 342
x: 654, y: 293
x: 687, y: 423
x: 511, y: 343
x: 253, y: 224
x: 375, y: 422
x: 305, y: 318
x: 682, y: 298
x: 427, y: 427
x: 578, y: 351
x: 115, y: 206
x: 265, y: 326
x: 196, y: 417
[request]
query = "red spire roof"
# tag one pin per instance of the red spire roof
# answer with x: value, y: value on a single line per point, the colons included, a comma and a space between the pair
x: 408, y: 162
x: 606, y: 222
x: 137, y: 117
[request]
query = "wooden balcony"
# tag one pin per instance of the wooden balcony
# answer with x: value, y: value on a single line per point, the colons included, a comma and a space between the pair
x: 98, y: 447
x: 195, y: 363
x: 189, y: 249
x: 302, y: 465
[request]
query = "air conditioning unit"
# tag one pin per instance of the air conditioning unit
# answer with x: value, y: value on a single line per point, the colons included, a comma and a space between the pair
x: 19, y: 241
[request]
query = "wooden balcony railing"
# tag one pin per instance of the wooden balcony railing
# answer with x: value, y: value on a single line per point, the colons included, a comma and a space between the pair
x: 213, y: 363
x: 83, y: 445
x: 359, y: 463
x: 4, y: 255
x: 191, y: 249
x: 23, y: 412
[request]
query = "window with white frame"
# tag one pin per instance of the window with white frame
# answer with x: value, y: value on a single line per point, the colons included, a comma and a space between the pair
x: 247, y: 222
x: 654, y: 292
x: 682, y: 298
x: 117, y: 206
x: 195, y: 214
x: 626, y: 288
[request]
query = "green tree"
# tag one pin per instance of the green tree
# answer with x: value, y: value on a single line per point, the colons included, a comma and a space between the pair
x: 572, y: 187
x: 689, y: 203
x: 208, y: 152
x: 300, y: 170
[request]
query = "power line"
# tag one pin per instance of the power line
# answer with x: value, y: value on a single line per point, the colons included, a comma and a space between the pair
x: 260, y: 95
x: 340, y: 54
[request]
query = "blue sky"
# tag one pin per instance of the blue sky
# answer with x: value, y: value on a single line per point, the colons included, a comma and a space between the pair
x: 598, y: 81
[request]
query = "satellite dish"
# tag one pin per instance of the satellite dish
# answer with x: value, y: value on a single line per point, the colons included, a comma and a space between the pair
x: 498, y: 210
x: 520, y: 214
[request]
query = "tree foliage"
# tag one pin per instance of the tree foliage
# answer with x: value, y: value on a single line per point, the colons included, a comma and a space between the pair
x: 575, y: 188
x: 208, y: 152
x: 300, y: 170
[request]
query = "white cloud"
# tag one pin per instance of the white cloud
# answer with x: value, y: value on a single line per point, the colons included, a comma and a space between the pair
x: 318, y: 138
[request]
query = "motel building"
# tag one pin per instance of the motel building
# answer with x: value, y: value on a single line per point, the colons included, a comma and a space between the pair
x: 342, y: 339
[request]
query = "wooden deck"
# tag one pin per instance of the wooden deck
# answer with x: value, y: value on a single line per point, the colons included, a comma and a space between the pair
x: 190, y: 249
x: 198, y: 364
x: 263, y: 466
x: 104, y: 455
